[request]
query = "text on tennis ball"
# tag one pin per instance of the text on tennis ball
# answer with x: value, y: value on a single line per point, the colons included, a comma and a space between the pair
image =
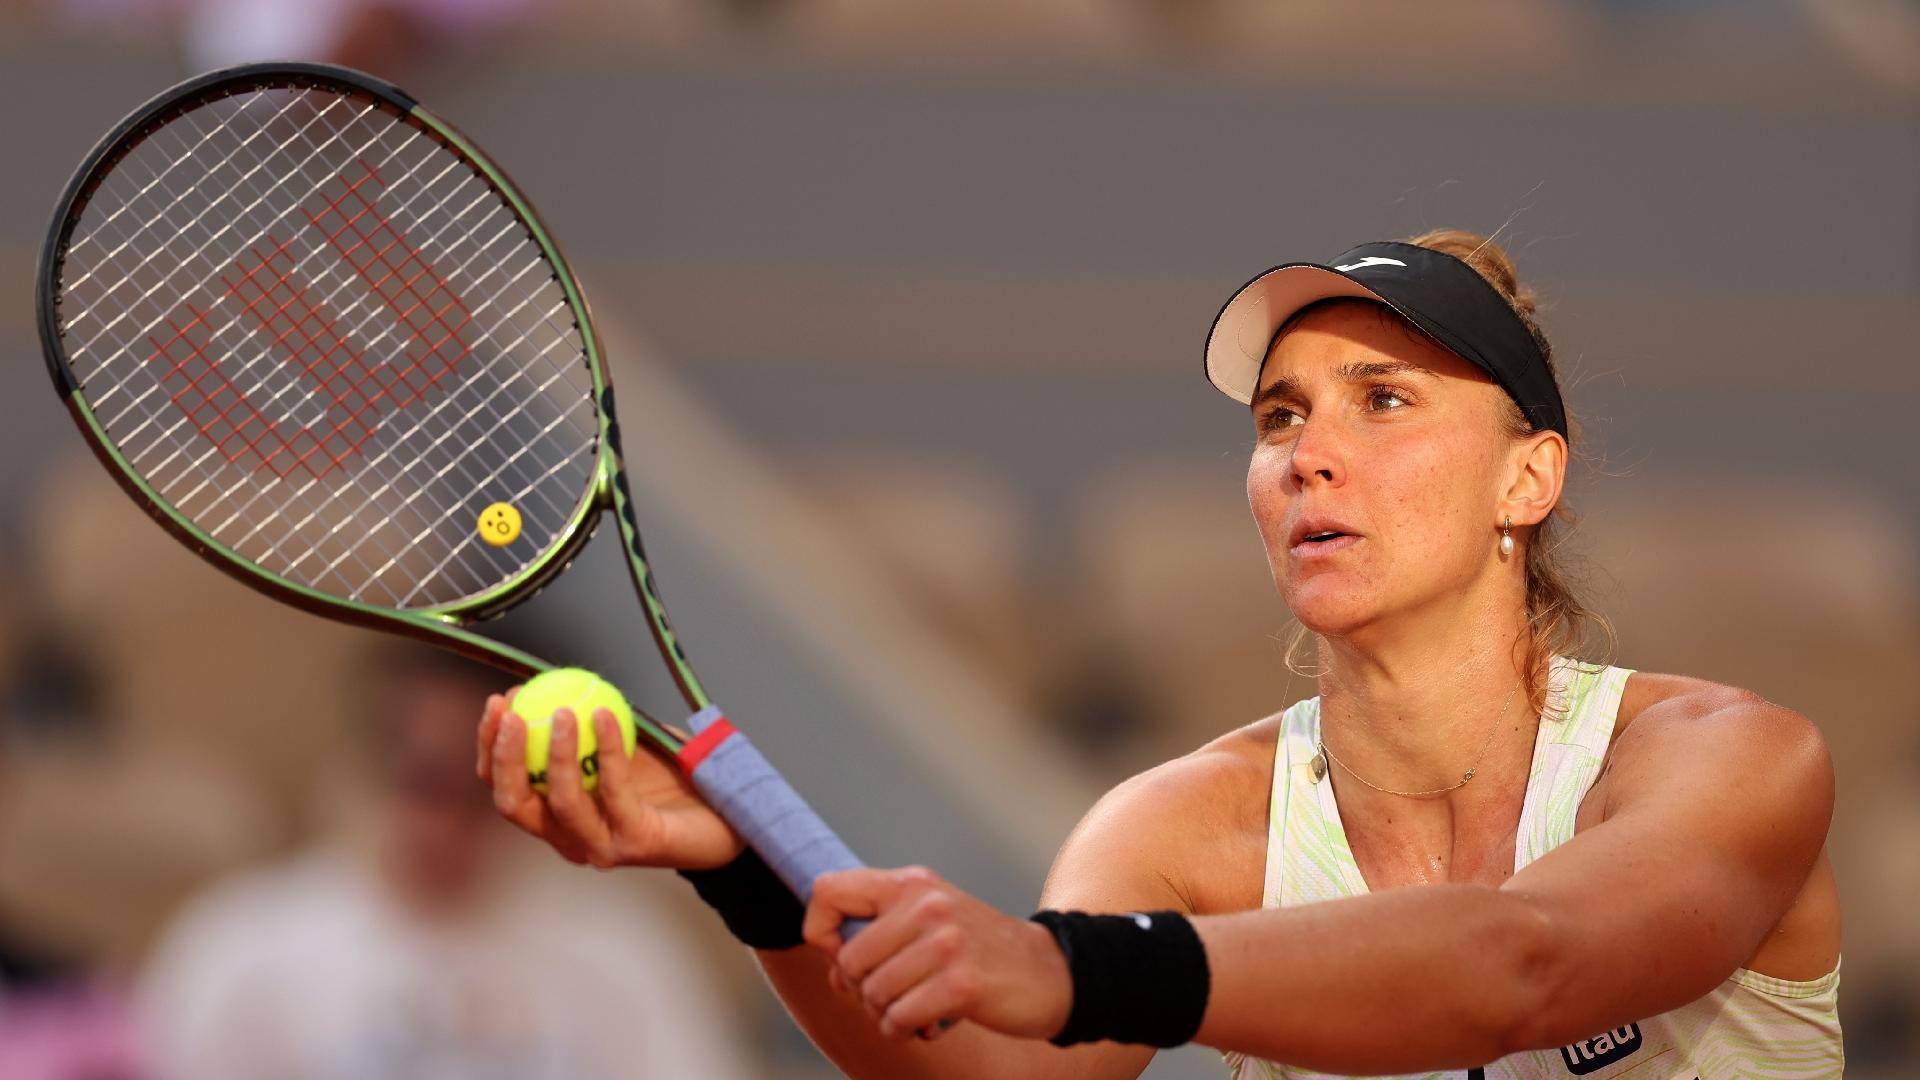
x: 584, y: 693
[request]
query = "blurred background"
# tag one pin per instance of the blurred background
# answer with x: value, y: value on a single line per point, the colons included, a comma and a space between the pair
x: 905, y: 302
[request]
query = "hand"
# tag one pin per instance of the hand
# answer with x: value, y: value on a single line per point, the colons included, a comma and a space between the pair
x: 646, y: 813
x: 935, y: 954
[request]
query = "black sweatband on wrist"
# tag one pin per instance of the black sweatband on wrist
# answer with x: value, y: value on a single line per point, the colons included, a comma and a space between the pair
x: 755, y: 904
x: 1137, y: 978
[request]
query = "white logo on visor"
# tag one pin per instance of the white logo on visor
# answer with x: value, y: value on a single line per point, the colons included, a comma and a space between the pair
x: 1371, y: 260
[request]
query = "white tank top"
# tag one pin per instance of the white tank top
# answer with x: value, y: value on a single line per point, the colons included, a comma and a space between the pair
x: 1751, y: 1025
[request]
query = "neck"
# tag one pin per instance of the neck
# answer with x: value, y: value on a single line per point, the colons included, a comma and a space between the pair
x: 1411, y: 706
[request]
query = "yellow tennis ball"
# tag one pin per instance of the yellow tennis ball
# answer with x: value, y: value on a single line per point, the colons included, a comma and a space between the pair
x: 583, y: 692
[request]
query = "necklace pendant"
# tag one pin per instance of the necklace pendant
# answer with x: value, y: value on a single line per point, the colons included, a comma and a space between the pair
x: 1470, y: 773
x: 1318, y: 766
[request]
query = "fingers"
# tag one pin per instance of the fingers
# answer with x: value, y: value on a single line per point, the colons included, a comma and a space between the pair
x: 512, y: 794
x: 514, y: 797
x: 643, y: 812
x: 928, y: 956
x: 908, y: 968
x: 575, y: 811
x: 903, y: 905
x: 907, y: 903
x: 489, y: 729
x: 847, y: 894
x: 496, y: 707
x: 615, y: 765
x: 926, y: 1009
x: 633, y: 822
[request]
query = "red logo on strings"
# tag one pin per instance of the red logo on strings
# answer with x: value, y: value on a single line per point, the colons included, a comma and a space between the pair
x: 293, y: 332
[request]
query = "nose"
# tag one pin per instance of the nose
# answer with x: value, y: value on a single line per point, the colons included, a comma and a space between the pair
x: 1318, y: 455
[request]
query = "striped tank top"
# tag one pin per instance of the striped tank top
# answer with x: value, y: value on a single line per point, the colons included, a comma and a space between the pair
x: 1751, y: 1025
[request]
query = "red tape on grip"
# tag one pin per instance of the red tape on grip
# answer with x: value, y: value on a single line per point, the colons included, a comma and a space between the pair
x: 697, y: 748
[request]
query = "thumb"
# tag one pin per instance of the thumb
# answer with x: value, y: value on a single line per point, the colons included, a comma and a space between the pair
x: 837, y: 897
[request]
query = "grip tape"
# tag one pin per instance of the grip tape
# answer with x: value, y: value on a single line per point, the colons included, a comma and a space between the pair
x: 758, y: 802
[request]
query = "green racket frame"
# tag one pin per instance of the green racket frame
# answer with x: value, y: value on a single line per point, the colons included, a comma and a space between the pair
x: 722, y: 764
x: 446, y: 625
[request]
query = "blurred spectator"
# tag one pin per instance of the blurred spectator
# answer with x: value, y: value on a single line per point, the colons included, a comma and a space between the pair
x: 427, y: 943
x: 378, y: 36
x: 57, y: 1025
x: 58, y: 1020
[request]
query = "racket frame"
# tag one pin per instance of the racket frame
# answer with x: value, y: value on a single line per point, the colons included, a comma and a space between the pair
x: 721, y: 763
x: 447, y: 625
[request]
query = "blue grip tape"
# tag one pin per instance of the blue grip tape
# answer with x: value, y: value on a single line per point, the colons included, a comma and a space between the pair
x: 739, y: 783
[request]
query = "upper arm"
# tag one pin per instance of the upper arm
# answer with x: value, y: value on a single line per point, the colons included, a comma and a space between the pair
x: 1135, y: 851
x: 1717, y: 808
x: 1184, y: 836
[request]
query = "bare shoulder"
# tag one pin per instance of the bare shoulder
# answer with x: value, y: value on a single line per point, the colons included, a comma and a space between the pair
x: 1723, y: 767
x: 1675, y: 725
x: 1189, y: 833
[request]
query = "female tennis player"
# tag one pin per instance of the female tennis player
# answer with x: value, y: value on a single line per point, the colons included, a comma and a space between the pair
x: 1469, y: 853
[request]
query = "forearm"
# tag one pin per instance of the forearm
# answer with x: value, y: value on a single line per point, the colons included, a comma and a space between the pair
x: 1439, y: 976
x: 848, y: 1034
x: 843, y: 1029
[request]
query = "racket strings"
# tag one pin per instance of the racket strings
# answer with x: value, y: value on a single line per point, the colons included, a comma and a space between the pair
x: 361, y: 288
x: 443, y: 472
x: 255, y: 357
x: 376, y: 493
x: 127, y: 204
x: 159, y: 217
x: 170, y: 437
x: 557, y: 372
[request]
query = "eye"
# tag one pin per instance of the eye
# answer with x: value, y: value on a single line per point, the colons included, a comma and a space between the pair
x: 1278, y: 418
x: 1383, y: 398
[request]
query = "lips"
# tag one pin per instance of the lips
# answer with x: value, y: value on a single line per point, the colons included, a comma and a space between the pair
x: 1314, y: 533
x: 1324, y: 547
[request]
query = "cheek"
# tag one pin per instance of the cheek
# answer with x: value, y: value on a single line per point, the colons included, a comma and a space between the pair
x: 1434, y: 494
x: 1267, y: 494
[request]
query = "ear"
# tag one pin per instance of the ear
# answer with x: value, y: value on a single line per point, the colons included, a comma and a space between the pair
x: 1536, y: 472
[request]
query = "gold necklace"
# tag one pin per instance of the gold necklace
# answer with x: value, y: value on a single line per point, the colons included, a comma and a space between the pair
x: 1323, y: 755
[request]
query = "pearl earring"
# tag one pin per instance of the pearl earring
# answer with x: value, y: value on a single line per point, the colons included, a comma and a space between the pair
x: 1506, y: 539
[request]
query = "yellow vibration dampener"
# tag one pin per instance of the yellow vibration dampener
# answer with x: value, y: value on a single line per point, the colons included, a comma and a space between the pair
x: 500, y: 524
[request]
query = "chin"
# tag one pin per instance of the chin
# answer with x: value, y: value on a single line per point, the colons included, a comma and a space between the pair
x: 1329, y: 607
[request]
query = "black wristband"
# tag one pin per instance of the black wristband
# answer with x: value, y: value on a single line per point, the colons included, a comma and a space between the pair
x: 1136, y: 978
x: 754, y: 903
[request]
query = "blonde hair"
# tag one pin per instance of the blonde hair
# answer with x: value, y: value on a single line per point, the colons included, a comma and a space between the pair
x: 1560, y: 622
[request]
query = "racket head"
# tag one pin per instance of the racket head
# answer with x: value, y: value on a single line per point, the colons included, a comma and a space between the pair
x: 315, y: 333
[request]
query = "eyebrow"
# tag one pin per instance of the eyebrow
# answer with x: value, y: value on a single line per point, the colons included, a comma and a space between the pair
x: 1357, y: 371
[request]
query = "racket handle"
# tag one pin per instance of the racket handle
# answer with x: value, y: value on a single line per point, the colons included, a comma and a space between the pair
x: 757, y: 801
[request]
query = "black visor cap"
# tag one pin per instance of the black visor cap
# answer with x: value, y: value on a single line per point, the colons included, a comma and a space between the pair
x: 1445, y: 298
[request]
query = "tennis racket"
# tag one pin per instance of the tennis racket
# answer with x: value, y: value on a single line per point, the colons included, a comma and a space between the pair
x: 316, y: 334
